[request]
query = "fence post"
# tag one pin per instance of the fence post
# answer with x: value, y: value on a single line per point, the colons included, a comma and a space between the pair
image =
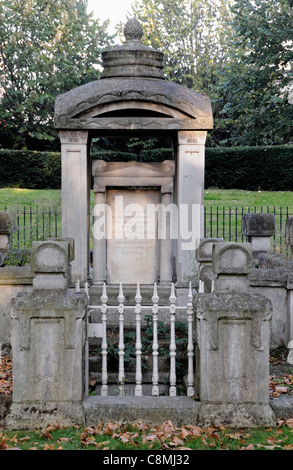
x: 233, y: 339
x: 138, y: 345
x: 190, y: 348
x: 104, y: 299
x: 172, y: 299
x: 155, y: 310
x: 121, y: 375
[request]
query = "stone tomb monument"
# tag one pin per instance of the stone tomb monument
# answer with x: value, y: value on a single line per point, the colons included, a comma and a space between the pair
x: 137, y: 222
x: 133, y: 99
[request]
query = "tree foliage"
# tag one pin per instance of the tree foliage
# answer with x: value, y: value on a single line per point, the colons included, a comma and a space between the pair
x: 190, y: 33
x: 47, y: 47
x: 256, y: 79
x: 238, y: 53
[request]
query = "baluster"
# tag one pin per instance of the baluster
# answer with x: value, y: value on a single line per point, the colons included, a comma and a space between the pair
x: 121, y: 377
x: 155, y: 310
x: 138, y: 345
x: 190, y: 376
x: 172, y: 299
x: 86, y: 288
x: 77, y: 286
x: 104, y: 299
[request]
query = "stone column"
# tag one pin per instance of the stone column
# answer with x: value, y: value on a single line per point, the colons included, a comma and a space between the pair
x: 232, y: 344
x: 48, y: 338
x: 76, y: 198
x: 166, y: 255
x: 99, y: 236
x: 190, y: 201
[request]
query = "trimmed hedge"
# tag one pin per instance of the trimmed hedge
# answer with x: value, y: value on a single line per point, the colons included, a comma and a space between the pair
x: 249, y: 168
x: 30, y: 169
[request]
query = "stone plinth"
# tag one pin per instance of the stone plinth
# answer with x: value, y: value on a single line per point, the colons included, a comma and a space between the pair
x: 259, y: 228
x: 47, y: 338
x: 232, y: 344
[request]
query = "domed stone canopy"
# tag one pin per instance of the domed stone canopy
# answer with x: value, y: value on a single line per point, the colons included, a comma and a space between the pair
x: 133, y: 94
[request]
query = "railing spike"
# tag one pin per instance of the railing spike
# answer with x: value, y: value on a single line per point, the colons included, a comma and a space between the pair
x: 155, y: 297
x: 190, y: 292
x: 104, y: 297
x: 138, y: 297
x: 172, y: 297
x: 121, y: 297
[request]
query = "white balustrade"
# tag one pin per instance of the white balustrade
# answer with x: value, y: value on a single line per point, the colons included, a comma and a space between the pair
x: 100, y: 330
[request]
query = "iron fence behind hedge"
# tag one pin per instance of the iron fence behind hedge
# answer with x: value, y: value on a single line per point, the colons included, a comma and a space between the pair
x: 43, y: 222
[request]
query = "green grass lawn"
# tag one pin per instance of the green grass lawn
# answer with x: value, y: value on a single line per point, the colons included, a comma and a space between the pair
x: 141, y: 436
x: 39, y: 211
x: 214, y: 197
x: 235, y: 197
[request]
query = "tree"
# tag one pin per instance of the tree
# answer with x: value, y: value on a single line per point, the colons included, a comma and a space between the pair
x: 193, y: 36
x: 254, y: 84
x: 238, y: 53
x: 47, y: 47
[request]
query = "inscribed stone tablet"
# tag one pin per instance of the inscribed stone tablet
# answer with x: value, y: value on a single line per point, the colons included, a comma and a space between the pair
x: 132, y: 244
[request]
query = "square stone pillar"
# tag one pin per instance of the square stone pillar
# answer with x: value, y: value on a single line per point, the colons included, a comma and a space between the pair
x: 99, y: 242
x: 232, y: 344
x: 48, y: 339
x: 190, y: 201
x: 76, y: 198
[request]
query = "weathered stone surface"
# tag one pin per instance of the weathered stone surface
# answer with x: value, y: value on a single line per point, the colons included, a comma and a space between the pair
x: 289, y: 231
x: 50, y: 262
x: 204, y: 250
x: 232, y: 258
x: 48, y: 334
x: 133, y: 79
x: 240, y: 415
x: 133, y: 58
x: 5, y: 223
x: 153, y: 410
x: 232, y: 354
x: 50, y: 257
x: 258, y: 225
x: 132, y: 253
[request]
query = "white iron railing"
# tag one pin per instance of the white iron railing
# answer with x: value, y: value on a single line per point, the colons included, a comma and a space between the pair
x: 99, y: 330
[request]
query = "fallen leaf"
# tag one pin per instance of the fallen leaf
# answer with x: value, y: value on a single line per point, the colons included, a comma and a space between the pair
x: 280, y: 389
x: 249, y: 447
x: 48, y: 447
x: 3, y: 444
